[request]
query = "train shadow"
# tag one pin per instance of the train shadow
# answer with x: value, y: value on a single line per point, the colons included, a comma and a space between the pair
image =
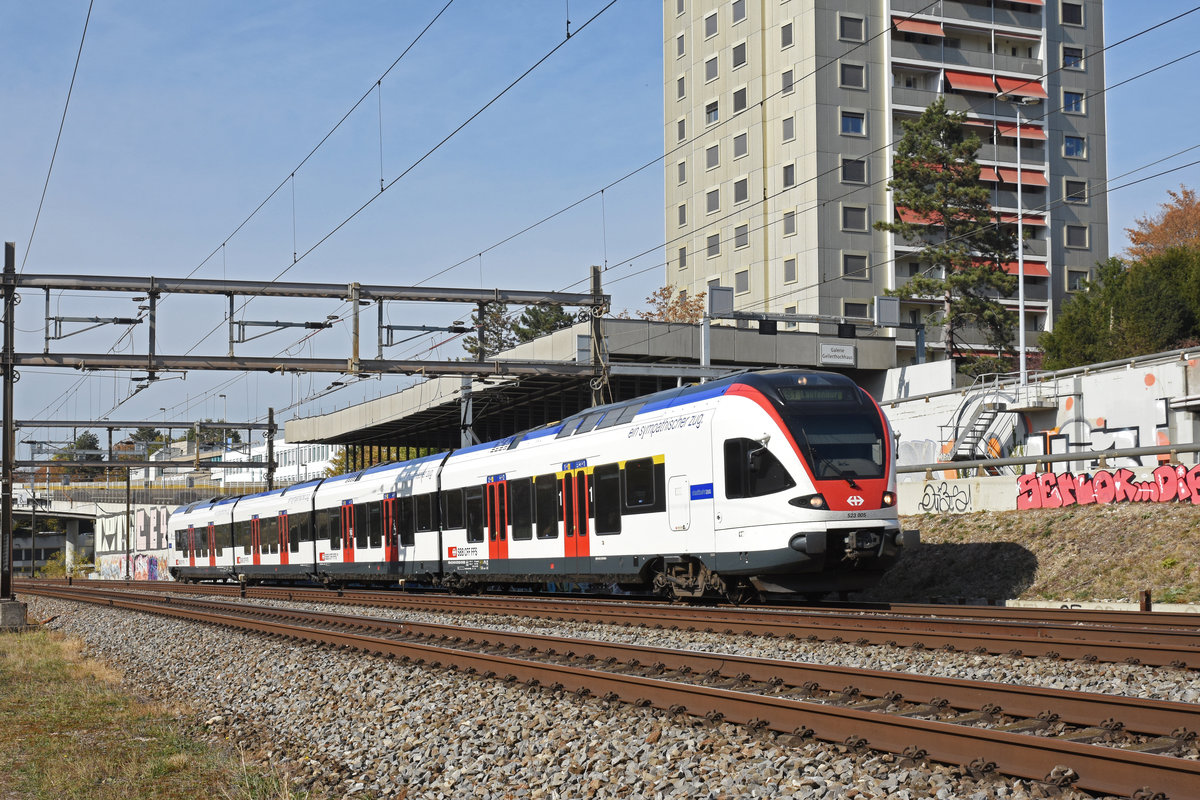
x: 952, y: 573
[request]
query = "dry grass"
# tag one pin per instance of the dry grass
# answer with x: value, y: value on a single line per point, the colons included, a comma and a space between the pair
x: 69, y: 731
x: 1077, y: 553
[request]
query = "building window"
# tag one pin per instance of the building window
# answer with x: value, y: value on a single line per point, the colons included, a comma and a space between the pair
x: 1077, y: 236
x: 710, y: 113
x: 739, y: 10
x: 714, y: 244
x: 789, y: 273
x: 854, y: 265
x: 712, y: 156
x: 741, y: 282
x: 1072, y: 13
x: 682, y: 214
x: 739, y: 55
x: 854, y: 170
x: 785, y: 36
x: 682, y: 257
x: 853, y: 76
x: 680, y: 88
x: 681, y: 129
x: 710, y: 25
x: 1072, y: 57
x: 739, y: 100
x: 1074, y: 147
x: 787, y: 82
x: 712, y: 200
x: 682, y: 168
x: 789, y: 175
x: 789, y: 310
x: 1075, y: 191
x: 1073, y: 102
x: 789, y: 223
x: 714, y: 283
x: 851, y: 309
x: 710, y: 69
x: 854, y: 123
x: 1076, y: 280
x: 741, y: 190
x: 741, y: 236
x: 854, y: 218
x: 739, y: 145
x: 851, y: 29
x: 679, y: 6
x: 679, y: 48
x: 789, y: 128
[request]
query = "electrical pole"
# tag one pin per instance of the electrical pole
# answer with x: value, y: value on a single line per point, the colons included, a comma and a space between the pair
x: 12, y: 613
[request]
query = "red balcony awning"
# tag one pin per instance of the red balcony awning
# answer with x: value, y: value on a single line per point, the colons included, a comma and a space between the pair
x: 918, y: 26
x: 989, y: 174
x: 1029, y: 2
x: 1028, y: 177
x: 1033, y: 269
x: 1012, y: 218
x: 1021, y: 87
x: 970, y: 82
x: 1026, y: 131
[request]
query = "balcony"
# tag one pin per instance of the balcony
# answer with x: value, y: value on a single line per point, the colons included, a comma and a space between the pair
x: 981, y: 12
x: 964, y: 57
x: 1032, y: 154
x: 977, y: 104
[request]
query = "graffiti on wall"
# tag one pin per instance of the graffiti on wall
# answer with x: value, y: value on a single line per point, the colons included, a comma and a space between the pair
x: 147, y: 559
x: 941, y: 497
x: 1167, y: 484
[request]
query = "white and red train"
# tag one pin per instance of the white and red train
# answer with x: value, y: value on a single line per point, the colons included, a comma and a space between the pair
x: 770, y: 482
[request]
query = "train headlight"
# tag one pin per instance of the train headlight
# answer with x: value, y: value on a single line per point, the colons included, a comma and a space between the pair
x: 815, y: 501
x: 889, y: 499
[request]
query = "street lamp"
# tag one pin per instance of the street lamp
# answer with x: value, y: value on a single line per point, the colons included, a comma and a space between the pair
x: 225, y: 409
x: 1020, y: 101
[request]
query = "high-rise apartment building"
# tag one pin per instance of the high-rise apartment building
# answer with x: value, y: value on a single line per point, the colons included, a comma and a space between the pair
x: 780, y: 117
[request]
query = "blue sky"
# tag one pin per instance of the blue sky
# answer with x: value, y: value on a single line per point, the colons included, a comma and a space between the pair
x: 186, y: 115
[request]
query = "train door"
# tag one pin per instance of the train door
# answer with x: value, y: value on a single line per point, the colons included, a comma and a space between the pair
x: 497, y: 519
x: 255, y: 541
x: 576, y: 510
x: 391, y: 552
x: 191, y: 545
x: 284, y: 537
x: 212, y: 544
x: 347, y: 511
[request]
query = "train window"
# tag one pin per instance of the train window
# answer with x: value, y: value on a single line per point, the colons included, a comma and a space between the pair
x: 300, y: 529
x: 590, y: 421
x: 222, y: 536
x: 452, y: 509
x: 606, y: 498
x: 546, y: 499
x: 474, y: 508
x: 268, y: 535
x: 404, y: 520
x: 361, y: 526
x: 628, y: 413
x: 751, y: 470
x: 181, y: 541
x: 334, y: 526
x: 521, y: 507
x: 639, y: 485
x: 241, y: 535
x: 569, y: 427
x: 375, y: 523
x: 424, y: 504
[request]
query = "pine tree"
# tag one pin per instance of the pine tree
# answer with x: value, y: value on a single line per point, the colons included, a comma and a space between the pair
x: 948, y: 213
x: 541, y: 319
x: 494, y: 329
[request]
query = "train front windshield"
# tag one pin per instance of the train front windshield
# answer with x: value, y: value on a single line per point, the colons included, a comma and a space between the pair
x: 839, y: 434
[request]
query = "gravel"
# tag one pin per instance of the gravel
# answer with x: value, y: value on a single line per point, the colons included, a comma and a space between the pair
x: 347, y: 724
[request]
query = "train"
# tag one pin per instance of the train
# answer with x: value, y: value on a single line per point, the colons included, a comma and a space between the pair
x: 777, y: 482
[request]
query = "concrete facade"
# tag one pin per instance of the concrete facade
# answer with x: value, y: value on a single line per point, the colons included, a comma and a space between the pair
x: 779, y: 117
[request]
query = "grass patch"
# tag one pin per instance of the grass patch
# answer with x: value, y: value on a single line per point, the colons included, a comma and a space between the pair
x: 70, y: 732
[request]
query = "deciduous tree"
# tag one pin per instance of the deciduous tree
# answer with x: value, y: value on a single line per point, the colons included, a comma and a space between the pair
x: 1177, y: 224
x: 670, y: 304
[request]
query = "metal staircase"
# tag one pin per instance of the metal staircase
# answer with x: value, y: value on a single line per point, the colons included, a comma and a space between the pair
x: 974, y: 431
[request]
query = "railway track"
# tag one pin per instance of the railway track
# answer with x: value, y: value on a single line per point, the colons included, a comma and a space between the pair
x: 1137, y: 639
x: 1098, y: 742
